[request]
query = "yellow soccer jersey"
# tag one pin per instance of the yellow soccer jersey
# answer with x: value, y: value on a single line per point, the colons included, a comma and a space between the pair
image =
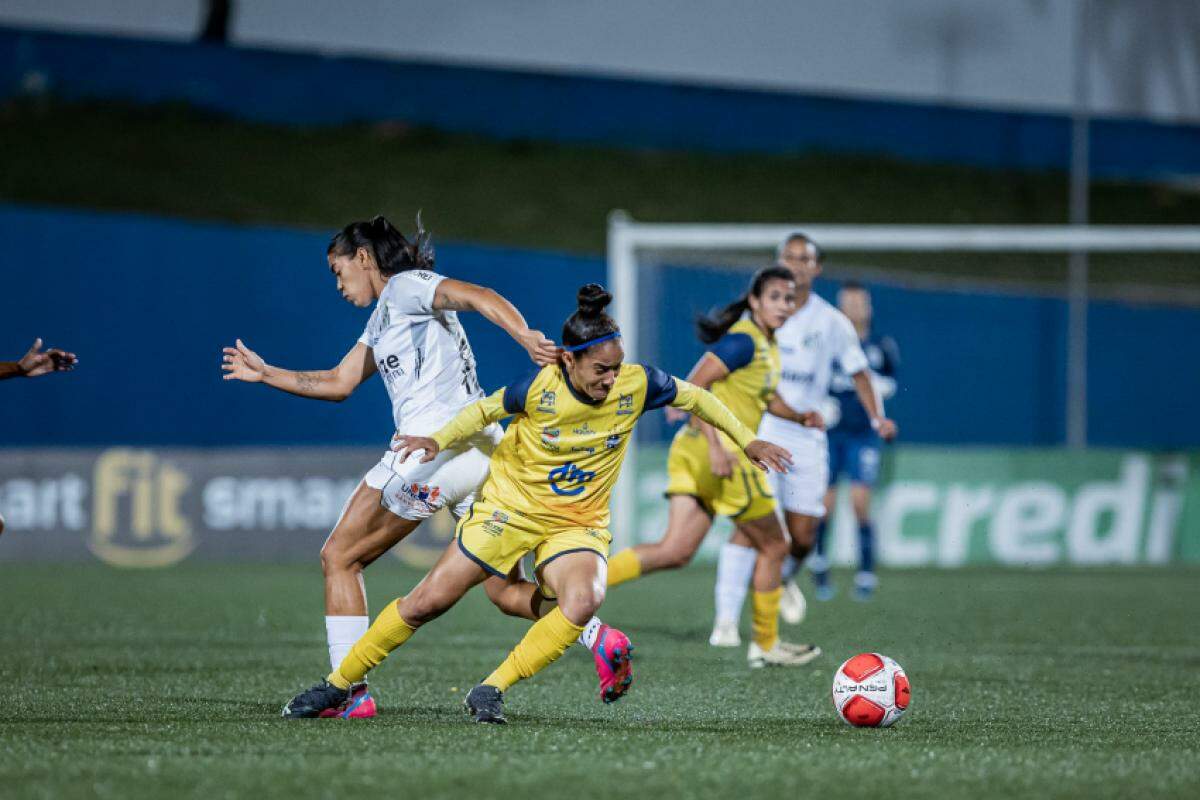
x: 754, y: 371
x: 560, y: 458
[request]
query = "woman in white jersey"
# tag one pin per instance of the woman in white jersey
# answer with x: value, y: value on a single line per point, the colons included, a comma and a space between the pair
x: 810, y: 341
x: 416, y: 343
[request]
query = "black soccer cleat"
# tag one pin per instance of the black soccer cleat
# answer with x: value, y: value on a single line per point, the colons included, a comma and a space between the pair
x: 486, y: 704
x: 315, y: 699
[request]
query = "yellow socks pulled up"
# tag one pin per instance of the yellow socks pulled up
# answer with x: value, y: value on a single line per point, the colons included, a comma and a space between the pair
x: 624, y: 566
x: 765, y: 614
x: 387, y: 632
x: 545, y: 641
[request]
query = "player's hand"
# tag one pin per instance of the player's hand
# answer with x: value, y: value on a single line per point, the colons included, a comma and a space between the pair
x: 39, y: 362
x: 721, y: 461
x: 243, y: 364
x: 407, y: 445
x: 768, y: 457
x: 675, y: 415
x: 541, y: 350
x: 812, y: 419
x: 886, y: 429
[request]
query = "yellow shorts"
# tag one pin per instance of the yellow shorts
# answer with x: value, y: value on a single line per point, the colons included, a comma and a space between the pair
x: 496, y: 539
x: 743, y: 496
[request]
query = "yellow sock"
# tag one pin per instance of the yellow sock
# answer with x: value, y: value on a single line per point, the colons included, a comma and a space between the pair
x: 387, y: 632
x: 548, y: 639
x: 624, y: 566
x: 765, y: 613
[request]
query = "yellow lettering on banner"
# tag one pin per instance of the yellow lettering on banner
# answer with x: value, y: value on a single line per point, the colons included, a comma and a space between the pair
x: 152, y: 532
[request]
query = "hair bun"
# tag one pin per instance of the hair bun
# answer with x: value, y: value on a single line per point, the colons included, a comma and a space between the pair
x: 592, y: 300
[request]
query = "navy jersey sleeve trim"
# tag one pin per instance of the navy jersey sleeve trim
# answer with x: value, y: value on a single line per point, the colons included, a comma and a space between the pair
x: 516, y: 392
x: 660, y: 389
x: 735, y: 350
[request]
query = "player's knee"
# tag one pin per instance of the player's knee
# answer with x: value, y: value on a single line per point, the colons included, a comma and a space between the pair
x: 335, y: 559
x: 580, y: 603
x: 677, y: 557
x: 774, y: 549
x: 508, y: 599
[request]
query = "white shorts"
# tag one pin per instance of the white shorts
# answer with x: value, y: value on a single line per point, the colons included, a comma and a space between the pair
x: 416, y: 491
x: 800, y: 490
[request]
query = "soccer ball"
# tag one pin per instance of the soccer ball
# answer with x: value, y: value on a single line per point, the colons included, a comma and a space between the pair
x: 870, y: 691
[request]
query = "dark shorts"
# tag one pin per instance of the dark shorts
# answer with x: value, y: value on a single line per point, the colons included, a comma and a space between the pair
x: 856, y: 456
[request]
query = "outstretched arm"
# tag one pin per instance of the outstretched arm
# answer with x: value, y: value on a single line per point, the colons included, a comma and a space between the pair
x: 467, y: 422
x: 704, y: 405
x: 455, y: 295
x: 335, y: 385
x: 38, y: 362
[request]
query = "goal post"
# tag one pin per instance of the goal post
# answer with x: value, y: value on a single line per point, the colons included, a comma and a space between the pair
x: 631, y: 244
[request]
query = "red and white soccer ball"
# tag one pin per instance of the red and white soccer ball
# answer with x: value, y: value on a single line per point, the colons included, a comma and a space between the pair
x: 870, y: 691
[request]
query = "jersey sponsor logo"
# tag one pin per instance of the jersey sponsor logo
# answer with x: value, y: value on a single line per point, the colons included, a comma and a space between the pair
x: 569, y: 480
x: 495, y: 525
x: 546, y: 404
x: 624, y: 405
x: 390, y: 367
x: 582, y: 430
x: 612, y: 441
x: 550, y: 439
x: 792, y: 376
x: 423, y: 493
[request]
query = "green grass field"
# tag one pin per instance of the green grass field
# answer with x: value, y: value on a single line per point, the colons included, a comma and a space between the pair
x: 147, y: 684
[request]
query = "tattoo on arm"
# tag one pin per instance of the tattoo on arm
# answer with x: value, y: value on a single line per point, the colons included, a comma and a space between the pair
x: 308, y: 381
x: 450, y: 304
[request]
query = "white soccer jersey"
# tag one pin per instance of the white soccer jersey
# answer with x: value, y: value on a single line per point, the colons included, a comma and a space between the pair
x: 809, y: 342
x: 422, y: 354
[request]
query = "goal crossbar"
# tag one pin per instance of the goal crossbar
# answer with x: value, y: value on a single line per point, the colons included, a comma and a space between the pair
x: 627, y: 238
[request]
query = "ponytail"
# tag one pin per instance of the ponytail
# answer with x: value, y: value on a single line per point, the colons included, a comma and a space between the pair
x: 393, y: 253
x: 715, y: 324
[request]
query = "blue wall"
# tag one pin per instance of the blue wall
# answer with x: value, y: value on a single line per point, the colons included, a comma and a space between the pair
x: 308, y: 89
x: 148, y: 303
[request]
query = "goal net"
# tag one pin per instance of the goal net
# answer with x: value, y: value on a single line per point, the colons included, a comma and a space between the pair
x: 1001, y: 322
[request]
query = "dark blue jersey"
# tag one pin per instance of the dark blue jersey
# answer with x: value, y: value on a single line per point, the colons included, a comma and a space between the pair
x: 884, y: 358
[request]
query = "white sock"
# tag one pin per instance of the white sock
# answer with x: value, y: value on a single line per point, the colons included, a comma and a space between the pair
x: 590, y: 632
x: 341, y: 633
x: 735, y: 568
x: 790, y: 567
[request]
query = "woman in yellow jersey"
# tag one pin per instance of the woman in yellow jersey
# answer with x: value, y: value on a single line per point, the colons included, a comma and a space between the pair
x: 547, y: 493
x: 706, y: 474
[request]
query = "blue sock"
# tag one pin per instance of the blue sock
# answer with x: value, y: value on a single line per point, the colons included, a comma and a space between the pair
x: 866, y: 547
x: 817, y: 561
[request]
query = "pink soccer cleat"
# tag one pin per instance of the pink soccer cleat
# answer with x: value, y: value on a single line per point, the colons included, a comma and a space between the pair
x: 360, y: 705
x: 613, y: 652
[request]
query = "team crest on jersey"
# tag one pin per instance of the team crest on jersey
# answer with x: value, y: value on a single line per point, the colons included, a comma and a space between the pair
x: 550, y: 439
x: 625, y: 405
x: 546, y: 404
x: 812, y: 339
x: 612, y: 441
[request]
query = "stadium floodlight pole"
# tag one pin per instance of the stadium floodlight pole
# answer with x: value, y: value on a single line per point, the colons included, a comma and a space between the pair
x: 1077, y: 265
x: 622, y: 281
